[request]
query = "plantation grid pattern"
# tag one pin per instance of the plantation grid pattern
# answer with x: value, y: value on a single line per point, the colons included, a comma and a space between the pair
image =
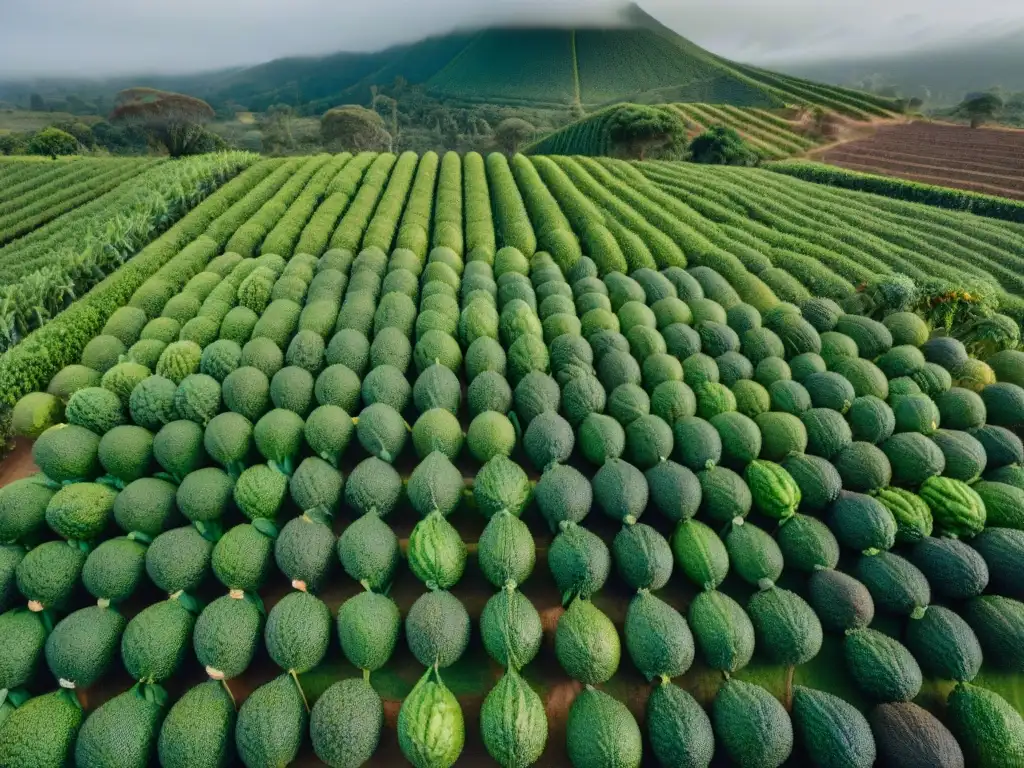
x: 356, y: 459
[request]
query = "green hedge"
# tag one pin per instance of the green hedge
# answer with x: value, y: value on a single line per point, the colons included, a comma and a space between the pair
x: 900, y: 189
x: 480, y: 235
x: 31, y: 211
x: 246, y: 240
x: 512, y: 224
x: 285, y: 234
x: 317, y: 233
x: 30, y: 365
x: 383, y: 227
x: 349, y: 233
x: 448, y: 208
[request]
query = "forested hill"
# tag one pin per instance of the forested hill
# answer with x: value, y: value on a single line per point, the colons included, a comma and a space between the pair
x: 638, y: 60
x: 940, y: 75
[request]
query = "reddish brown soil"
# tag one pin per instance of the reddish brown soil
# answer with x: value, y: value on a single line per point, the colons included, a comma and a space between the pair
x: 18, y: 463
x: 984, y: 160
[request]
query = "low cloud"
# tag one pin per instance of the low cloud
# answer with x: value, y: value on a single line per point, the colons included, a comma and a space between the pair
x: 104, y: 37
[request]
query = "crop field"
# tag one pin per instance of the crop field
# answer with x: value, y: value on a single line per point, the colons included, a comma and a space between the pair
x: 543, y: 460
x: 36, y: 193
x: 977, y: 159
x: 991, y: 206
x: 771, y: 136
x: 65, y: 225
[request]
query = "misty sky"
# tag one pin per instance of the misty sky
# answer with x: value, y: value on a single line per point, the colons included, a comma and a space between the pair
x: 72, y: 37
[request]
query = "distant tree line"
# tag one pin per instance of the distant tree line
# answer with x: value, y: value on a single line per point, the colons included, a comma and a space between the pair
x: 101, y: 136
x: 397, y: 117
x: 142, y: 120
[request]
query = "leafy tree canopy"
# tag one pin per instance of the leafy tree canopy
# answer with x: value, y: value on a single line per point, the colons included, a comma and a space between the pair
x: 354, y: 128
x: 635, y: 130
x: 720, y: 145
x: 980, y: 107
x: 511, y: 133
x: 53, y: 142
x: 172, y: 120
x: 81, y: 132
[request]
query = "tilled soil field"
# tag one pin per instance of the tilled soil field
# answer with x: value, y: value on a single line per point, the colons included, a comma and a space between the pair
x: 982, y: 160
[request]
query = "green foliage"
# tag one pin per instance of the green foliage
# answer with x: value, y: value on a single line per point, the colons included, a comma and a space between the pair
x: 53, y: 142
x: 635, y: 130
x: 900, y: 189
x: 354, y: 128
x: 980, y: 108
x: 511, y: 133
x: 721, y: 145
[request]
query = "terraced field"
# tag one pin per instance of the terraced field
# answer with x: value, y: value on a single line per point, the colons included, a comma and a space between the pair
x: 65, y: 225
x: 800, y: 239
x: 991, y: 206
x: 36, y: 193
x: 981, y: 160
x: 768, y: 134
x: 377, y: 458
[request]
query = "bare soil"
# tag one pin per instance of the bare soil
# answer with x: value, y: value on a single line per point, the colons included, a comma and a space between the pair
x: 984, y: 160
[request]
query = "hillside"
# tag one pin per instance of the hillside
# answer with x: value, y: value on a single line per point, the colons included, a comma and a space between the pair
x: 638, y: 60
x: 940, y: 75
x: 771, y: 135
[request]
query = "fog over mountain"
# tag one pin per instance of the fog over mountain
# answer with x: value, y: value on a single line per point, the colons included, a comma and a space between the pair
x: 106, y: 37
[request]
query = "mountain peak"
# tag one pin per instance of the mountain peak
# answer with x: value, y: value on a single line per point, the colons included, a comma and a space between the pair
x: 583, y: 64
